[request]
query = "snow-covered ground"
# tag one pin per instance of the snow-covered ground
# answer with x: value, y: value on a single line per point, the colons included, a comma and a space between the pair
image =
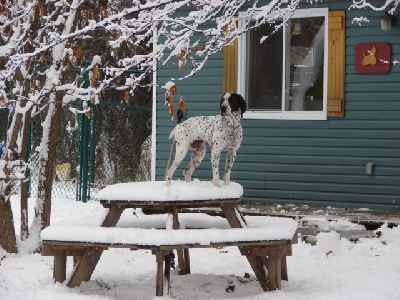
x: 368, y: 269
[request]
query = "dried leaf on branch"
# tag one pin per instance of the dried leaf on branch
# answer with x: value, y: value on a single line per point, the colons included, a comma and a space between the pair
x: 183, y: 56
x: 94, y: 75
x: 182, y: 105
x: 77, y: 51
x: 171, y: 90
x: 3, y: 103
x: 127, y: 97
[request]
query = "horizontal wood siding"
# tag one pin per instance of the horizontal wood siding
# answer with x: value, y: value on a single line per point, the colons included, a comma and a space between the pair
x: 309, y: 162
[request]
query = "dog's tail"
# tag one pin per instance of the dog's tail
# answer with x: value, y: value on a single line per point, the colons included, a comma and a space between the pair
x: 172, y: 134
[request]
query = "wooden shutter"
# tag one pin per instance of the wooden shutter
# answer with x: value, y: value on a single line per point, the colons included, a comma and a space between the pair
x: 336, y: 64
x: 230, y: 68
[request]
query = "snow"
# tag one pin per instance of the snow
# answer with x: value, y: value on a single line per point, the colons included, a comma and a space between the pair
x: 178, y: 190
x: 154, y: 237
x: 333, y: 268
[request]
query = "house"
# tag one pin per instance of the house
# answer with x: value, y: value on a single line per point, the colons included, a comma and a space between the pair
x: 323, y: 120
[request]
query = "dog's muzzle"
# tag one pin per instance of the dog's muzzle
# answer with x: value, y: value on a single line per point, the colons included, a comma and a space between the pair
x: 223, y: 110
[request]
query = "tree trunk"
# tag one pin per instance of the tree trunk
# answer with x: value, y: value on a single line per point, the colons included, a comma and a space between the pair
x: 47, y: 162
x: 22, y: 124
x: 25, y: 184
x: 7, y: 232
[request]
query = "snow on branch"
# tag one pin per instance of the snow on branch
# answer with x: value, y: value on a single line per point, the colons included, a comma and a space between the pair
x: 362, y: 4
x: 164, y: 28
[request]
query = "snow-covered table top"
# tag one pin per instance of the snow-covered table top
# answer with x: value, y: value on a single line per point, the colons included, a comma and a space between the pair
x: 156, y: 191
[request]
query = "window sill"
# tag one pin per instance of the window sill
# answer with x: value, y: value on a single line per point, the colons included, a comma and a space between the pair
x: 267, y: 115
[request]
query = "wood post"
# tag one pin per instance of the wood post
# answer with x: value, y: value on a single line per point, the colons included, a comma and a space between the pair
x: 284, y: 272
x: 60, y: 266
x: 274, y: 272
x: 160, y: 273
x: 256, y: 262
x: 180, y: 253
x: 113, y: 216
x: 85, y: 266
x: 167, y: 270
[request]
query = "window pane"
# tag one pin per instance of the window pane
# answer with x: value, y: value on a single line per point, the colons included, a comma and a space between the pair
x: 305, y: 64
x: 264, y: 84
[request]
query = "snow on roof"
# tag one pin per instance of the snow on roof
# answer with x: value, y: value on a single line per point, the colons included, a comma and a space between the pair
x: 178, y: 190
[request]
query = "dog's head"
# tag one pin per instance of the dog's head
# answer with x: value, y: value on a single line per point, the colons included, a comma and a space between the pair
x: 231, y: 103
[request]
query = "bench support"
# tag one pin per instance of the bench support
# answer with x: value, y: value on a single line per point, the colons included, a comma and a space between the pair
x: 163, y: 256
x: 273, y: 262
x: 60, y: 266
x: 84, y: 268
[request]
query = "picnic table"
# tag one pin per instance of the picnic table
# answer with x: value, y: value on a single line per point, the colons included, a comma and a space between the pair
x: 261, y: 249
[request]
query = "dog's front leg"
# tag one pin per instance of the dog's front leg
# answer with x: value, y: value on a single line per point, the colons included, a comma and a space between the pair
x: 215, y: 155
x: 230, y: 159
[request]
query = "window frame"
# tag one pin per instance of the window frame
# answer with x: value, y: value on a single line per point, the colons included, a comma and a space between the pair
x: 242, y: 79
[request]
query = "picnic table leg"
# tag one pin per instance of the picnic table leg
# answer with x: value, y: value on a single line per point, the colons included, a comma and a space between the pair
x: 187, y: 260
x: 236, y: 220
x: 167, y: 270
x: 160, y: 273
x: 284, y: 272
x: 87, y: 263
x: 60, y: 266
x: 75, y: 260
x: 113, y: 216
x: 273, y: 264
x: 182, y: 257
x: 85, y: 266
x: 233, y: 215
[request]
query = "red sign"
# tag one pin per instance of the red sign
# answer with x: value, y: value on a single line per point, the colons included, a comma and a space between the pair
x: 372, y: 58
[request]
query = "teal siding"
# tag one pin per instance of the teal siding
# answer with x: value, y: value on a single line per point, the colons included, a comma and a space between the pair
x: 308, y: 162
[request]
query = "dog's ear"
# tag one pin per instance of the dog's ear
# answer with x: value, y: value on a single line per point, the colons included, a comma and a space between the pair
x: 236, y: 101
x: 243, y: 105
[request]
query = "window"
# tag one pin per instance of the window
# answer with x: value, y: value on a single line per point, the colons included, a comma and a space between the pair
x: 285, y: 76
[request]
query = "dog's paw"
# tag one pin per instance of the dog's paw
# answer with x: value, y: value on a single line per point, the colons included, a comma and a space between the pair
x: 188, y: 177
x: 216, y: 182
x: 167, y: 183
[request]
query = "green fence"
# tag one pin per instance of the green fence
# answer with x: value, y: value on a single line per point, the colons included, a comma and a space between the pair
x: 111, y: 145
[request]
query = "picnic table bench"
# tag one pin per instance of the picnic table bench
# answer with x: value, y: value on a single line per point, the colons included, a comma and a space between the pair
x: 265, y: 245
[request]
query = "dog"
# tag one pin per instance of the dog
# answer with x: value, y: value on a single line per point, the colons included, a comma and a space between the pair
x: 221, y: 132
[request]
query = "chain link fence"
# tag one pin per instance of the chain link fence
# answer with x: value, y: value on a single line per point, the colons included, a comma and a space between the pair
x: 123, y: 144
x: 113, y: 145
x: 66, y: 172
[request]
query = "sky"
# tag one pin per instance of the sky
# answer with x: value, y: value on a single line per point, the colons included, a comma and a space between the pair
x: 332, y: 268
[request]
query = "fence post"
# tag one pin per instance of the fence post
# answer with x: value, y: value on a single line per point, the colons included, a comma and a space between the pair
x: 83, y: 191
x: 92, y: 144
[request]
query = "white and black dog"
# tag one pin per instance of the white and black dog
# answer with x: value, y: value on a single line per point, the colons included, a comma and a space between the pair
x: 221, y: 132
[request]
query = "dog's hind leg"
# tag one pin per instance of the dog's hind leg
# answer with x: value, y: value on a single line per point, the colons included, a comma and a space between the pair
x: 198, y: 151
x: 181, y: 150
x: 230, y: 159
